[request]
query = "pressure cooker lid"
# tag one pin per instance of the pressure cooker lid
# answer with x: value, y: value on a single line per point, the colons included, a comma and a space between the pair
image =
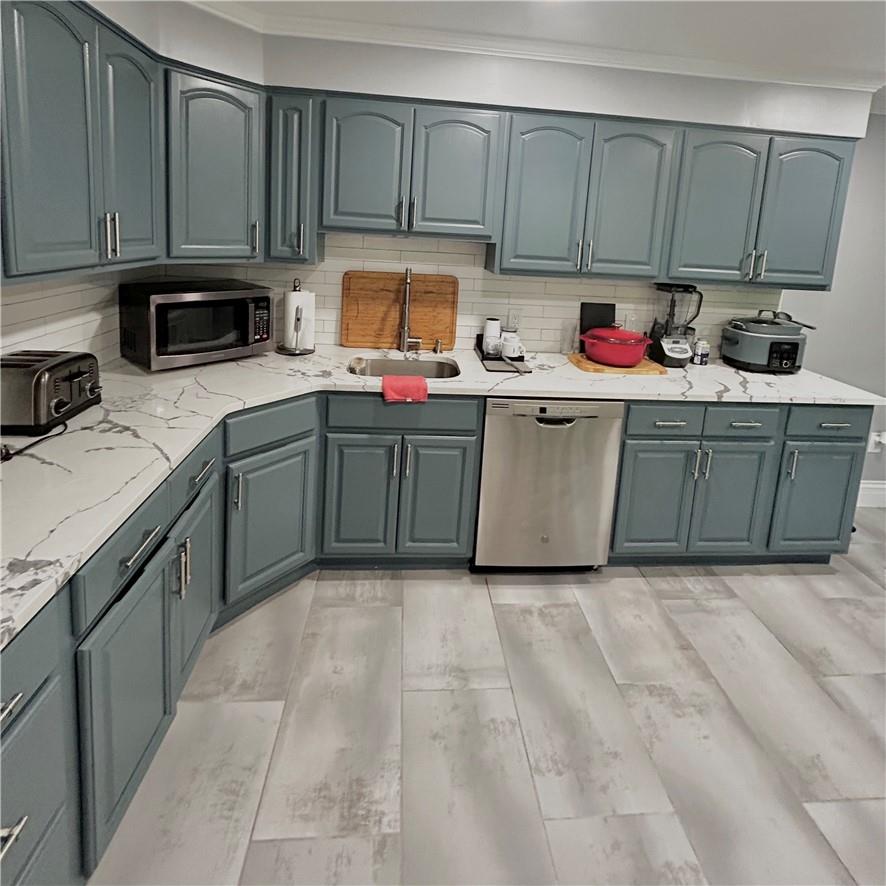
x: 778, y: 323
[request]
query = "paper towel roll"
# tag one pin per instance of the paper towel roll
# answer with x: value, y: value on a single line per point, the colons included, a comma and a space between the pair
x: 292, y: 301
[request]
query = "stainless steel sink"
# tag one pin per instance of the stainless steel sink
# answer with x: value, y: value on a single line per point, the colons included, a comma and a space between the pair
x: 428, y: 367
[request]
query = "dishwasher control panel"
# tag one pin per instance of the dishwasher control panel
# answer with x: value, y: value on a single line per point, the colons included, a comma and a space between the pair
x: 555, y: 408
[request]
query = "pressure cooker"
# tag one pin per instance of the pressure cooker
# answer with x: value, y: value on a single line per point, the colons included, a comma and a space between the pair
x: 773, y: 341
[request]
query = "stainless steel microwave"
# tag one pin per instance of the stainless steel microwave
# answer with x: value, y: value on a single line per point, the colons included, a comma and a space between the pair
x: 173, y: 321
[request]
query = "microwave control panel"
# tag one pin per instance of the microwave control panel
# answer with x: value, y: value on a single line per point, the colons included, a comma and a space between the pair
x: 262, y: 320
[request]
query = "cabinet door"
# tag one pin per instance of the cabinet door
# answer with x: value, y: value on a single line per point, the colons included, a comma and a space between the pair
x: 546, y: 194
x: 52, y: 192
x: 293, y: 231
x: 733, y: 498
x: 438, y: 496
x: 718, y: 205
x: 366, y: 164
x: 655, y: 496
x: 815, y: 501
x: 362, y: 483
x: 132, y: 148
x: 271, y: 515
x: 215, y: 169
x: 455, y: 171
x: 125, y: 700
x: 806, y: 183
x: 196, y: 580
x: 628, y: 195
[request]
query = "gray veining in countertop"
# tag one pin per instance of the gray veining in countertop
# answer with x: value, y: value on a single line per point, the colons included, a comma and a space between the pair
x: 65, y: 498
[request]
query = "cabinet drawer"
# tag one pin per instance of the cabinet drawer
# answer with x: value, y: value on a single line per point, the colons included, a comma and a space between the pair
x: 741, y: 421
x: 665, y: 420
x: 193, y: 473
x: 118, y: 559
x: 829, y: 421
x: 29, y: 659
x: 34, y: 783
x: 373, y: 413
x: 270, y: 424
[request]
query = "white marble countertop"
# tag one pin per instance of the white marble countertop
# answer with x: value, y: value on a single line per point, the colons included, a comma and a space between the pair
x: 62, y: 500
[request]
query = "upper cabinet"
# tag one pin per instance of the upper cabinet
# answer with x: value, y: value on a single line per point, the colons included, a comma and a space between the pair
x: 52, y: 188
x: 215, y: 169
x: 584, y: 197
x: 391, y: 166
x: 292, y: 231
x: 761, y: 210
x: 83, y: 147
x: 803, y: 201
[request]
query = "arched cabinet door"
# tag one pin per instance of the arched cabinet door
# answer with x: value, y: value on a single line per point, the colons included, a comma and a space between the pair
x: 132, y: 149
x: 627, y: 199
x: 456, y: 171
x: 549, y: 162
x: 215, y: 169
x: 718, y: 205
x: 366, y: 164
x: 52, y: 195
x: 806, y: 183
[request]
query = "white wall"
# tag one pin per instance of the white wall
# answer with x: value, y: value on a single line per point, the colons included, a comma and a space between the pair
x: 850, y: 342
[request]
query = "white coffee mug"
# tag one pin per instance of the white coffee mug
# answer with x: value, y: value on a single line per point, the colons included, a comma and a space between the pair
x: 511, y: 346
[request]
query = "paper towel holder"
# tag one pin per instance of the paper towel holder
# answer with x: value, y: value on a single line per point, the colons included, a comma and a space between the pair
x: 296, y: 351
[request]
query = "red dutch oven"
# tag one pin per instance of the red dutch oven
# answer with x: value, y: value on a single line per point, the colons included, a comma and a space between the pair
x: 614, y: 346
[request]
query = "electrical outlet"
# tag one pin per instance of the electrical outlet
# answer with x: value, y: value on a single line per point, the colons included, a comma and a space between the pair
x: 876, y: 441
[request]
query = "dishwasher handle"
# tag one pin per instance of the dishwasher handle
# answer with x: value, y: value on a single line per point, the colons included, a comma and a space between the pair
x: 555, y: 422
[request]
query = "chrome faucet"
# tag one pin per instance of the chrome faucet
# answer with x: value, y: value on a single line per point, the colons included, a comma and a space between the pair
x: 409, y: 346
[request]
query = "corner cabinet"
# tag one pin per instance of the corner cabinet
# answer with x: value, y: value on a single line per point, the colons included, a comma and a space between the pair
x: 215, y: 169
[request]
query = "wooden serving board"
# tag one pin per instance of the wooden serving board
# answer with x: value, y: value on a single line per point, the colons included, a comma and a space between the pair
x: 372, y: 309
x: 644, y: 367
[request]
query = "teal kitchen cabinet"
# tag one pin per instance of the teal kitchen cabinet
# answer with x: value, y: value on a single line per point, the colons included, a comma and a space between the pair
x: 654, y: 505
x: 271, y: 515
x: 216, y: 168
x: 627, y: 199
x: 803, y: 201
x: 125, y: 699
x: 815, y: 499
x: 456, y: 170
x: 292, y: 229
x: 732, y: 504
x: 196, y: 580
x: 362, y: 486
x: 51, y: 163
x: 367, y: 164
x: 131, y: 89
x: 718, y: 205
x: 549, y: 162
x: 437, y: 496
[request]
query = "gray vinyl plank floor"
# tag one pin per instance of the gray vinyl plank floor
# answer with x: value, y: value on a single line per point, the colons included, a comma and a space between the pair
x: 663, y: 725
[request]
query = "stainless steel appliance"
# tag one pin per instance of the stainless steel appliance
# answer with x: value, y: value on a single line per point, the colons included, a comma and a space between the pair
x: 774, y: 343
x: 547, y: 487
x: 671, y: 337
x: 42, y: 389
x: 173, y: 321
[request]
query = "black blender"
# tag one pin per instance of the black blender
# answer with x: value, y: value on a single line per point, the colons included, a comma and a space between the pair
x: 670, y: 336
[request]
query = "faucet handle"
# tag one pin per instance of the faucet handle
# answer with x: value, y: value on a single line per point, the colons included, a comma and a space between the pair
x: 438, y: 345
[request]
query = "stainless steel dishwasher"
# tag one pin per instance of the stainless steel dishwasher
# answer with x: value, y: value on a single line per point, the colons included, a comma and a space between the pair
x: 547, y: 487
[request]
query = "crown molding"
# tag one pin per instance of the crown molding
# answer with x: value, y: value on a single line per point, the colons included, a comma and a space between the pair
x: 317, y: 28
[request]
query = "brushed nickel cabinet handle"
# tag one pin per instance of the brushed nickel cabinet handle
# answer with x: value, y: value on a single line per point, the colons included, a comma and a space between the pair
x: 590, y: 251
x: 412, y: 213
x: 670, y: 424
x: 763, y: 261
x: 408, y: 458
x: 9, y: 706
x: 128, y: 564
x: 10, y: 835
x: 746, y: 424
x: 188, y: 559
x: 792, y: 471
x: 207, y: 467
x: 581, y: 249
x: 108, y: 246
x: 301, y: 239
x: 255, y: 237
x: 697, y: 464
x: 396, y: 466
x: 750, y: 272
x: 707, y: 465
x: 117, y: 234
x: 401, y: 213
x: 831, y: 425
x: 238, y: 501
x: 182, y: 574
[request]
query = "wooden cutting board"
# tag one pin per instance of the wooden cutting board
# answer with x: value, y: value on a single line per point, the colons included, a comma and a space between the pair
x: 372, y: 309
x: 644, y: 367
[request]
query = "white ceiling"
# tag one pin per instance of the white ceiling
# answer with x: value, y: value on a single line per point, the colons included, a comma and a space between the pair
x: 787, y: 41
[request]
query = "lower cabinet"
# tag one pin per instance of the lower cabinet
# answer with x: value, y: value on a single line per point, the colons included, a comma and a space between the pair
x: 196, y: 580
x: 271, y: 515
x: 390, y: 494
x: 125, y: 699
x: 815, y: 499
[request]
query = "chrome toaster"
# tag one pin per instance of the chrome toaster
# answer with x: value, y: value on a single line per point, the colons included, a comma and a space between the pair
x: 41, y: 389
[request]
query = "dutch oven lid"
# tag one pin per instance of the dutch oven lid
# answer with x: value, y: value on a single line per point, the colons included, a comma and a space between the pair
x: 779, y: 323
x: 616, y: 335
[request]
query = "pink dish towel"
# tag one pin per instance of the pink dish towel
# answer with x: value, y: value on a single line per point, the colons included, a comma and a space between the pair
x: 404, y: 388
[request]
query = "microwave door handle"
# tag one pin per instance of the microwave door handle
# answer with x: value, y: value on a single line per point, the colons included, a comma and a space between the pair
x: 250, y: 326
